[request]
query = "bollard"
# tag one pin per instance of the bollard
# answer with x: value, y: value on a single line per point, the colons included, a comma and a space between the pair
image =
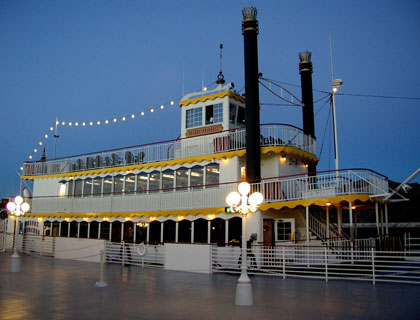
x: 101, y: 283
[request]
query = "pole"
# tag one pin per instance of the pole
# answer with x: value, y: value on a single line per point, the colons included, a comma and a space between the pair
x: 15, y: 258
x: 244, y: 286
x: 101, y: 283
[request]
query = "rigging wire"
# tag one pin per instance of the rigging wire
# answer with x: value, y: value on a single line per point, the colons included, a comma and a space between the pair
x: 377, y: 96
x: 319, y: 110
x: 325, y: 129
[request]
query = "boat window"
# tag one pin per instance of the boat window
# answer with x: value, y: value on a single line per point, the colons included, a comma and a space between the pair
x: 104, y: 230
x: 214, y: 113
x: 194, y: 118
x: 200, y: 230
x: 78, y: 185
x: 184, y: 231
x: 130, y: 183
x: 235, y: 231
x: 118, y: 184
x: 196, y: 176
x: 241, y: 115
x: 212, y: 174
x: 217, y: 231
x: 87, y: 187
x: 169, y: 227
x: 168, y: 180
x: 93, y: 230
x: 154, y: 181
x: 232, y: 113
x: 97, y: 186
x: 107, y: 189
x: 70, y: 192
x: 182, y: 178
x: 64, y: 229
x: 283, y: 230
x: 142, y: 182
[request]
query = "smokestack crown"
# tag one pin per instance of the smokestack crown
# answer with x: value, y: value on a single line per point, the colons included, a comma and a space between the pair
x: 249, y: 21
x: 305, y: 63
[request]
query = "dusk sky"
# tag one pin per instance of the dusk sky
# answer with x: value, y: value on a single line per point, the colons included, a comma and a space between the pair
x: 97, y: 60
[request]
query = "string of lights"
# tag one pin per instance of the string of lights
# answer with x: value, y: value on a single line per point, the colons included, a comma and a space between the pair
x: 80, y: 124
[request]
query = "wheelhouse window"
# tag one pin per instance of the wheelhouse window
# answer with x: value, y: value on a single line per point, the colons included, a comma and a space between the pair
x: 130, y: 183
x: 71, y: 186
x: 241, y: 115
x: 214, y: 113
x: 232, y: 113
x: 194, y: 118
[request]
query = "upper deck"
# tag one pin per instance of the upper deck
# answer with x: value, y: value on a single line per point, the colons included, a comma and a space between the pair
x: 203, y: 145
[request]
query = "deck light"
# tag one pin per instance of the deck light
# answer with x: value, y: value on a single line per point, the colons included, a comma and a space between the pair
x: 30, y: 157
x: 70, y: 124
x: 151, y: 110
x: 40, y: 143
x: 63, y: 123
x: 51, y: 128
x: 162, y: 106
x: 91, y: 123
x: 76, y: 124
x: 115, y: 119
x: 46, y: 136
x: 106, y: 121
x: 133, y: 116
x: 241, y: 203
x: 172, y: 103
x: 98, y: 123
x: 328, y: 204
x: 16, y: 208
x: 35, y: 150
x: 83, y: 123
x: 142, y: 113
x: 123, y: 118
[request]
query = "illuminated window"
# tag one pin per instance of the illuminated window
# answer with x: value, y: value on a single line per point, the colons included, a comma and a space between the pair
x: 142, y: 182
x: 212, y: 174
x: 182, y: 177
x: 118, y: 184
x: 130, y: 183
x: 154, y: 181
x: 62, y: 191
x: 168, y: 177
x: 97, y: 186
x: 107, y: 189
x: 87, y: 187
x: 196, y: 177
x: 194, y: 118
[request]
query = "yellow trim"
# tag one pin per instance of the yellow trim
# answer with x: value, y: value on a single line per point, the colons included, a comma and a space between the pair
x: 315, y: 201
x: 213, y: 97
x: 147, y: 214
x: 293, y: 151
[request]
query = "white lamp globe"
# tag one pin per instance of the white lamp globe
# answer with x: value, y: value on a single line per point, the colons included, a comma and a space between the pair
x: 244, y: 188
x: 255, y: 199
x: 233, y: 199
x: 18, y: 200
x: 25, y: 207
x: 11, y: 206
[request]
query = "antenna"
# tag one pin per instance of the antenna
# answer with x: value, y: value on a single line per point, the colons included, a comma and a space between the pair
x: 220, y: 76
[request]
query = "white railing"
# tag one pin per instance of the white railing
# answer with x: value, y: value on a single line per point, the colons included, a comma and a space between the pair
x: 320, y: 262
x: 231, y: 140
x: 274, y: 190
x: 127, y: 253
x: 34, y: 244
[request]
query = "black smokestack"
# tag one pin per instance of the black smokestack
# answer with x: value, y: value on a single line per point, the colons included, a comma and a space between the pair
x: 305, y: 70
x: 252, y: 103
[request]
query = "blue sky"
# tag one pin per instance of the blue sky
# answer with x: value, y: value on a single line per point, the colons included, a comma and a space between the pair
x: 96, y: 60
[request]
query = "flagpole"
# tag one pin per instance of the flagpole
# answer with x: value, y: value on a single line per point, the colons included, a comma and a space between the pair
x: 55, y: 138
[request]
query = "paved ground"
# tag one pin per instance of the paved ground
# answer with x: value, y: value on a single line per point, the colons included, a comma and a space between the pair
x: 64, y: 289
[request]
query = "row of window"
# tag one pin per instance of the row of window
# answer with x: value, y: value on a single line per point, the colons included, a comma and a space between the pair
x: 154, y: 232
x: 214, y: 114
x: 166, y: 180
x: 188, y: 231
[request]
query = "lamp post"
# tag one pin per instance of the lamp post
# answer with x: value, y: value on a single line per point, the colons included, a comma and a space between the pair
x: 16, y: 208
x: 336, y: 84
x: 240, y: 202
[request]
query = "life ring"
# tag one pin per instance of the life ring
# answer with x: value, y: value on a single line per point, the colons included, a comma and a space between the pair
x: 141, y: 249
